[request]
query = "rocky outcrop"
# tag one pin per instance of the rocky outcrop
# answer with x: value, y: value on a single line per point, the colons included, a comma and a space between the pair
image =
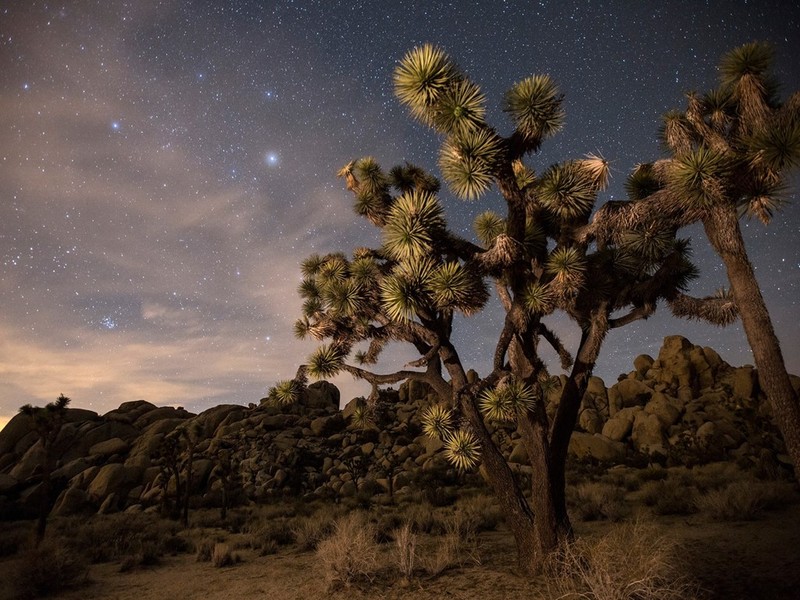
x: 685, y: 406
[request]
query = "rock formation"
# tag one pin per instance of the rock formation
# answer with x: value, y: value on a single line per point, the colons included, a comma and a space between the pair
x: 685, y: 407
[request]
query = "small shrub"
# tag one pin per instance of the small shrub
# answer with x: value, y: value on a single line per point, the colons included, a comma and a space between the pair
x: 669, y: 497
x: 631, y: 562
x: 204, y: 550
x: 598, y: 501
x: 351, y: 553
x: 310, y: 531
x: 744, y: 500
x: 221, y: 555
x: 48, y: 569
x: 425, y: 519
x: 482, y: 511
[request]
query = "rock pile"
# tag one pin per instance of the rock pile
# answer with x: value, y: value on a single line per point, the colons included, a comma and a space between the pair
x: 687, y: 406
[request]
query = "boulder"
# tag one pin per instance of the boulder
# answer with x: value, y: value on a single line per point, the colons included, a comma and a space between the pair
x: 642, y: 364
x: 109, y: 447
x: 72, y: 501
x: 17, y: 428
x: 620, y: 425
x: 632, y: 392
x: 321, y: 394
x: 664, y: 409
x: 109, y: 479
x: 596, y: 446
x: 647, y: 434
x: 745, y: 382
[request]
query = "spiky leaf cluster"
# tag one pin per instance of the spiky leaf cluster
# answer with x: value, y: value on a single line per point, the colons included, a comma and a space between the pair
x: 698, y: 176
x: 568, y: 190
x: 404, y: 292
x: 462, y: 449
x: 415, y: 222
x: 567, y: 265
x: 468, y: 161
x: 534, y: 105
x: 285, y: 392
x: 422, y: 77
x: 642, y: 182
x: 438, y: 421
x: 460, y: 109
x: 326, y: 361
x: 454, y: 287
x: 539, y: 298
x: 488, y: 225
x: 507, y: 400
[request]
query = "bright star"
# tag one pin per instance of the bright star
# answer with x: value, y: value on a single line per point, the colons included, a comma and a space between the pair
x: 115, y: 125
x: 271, y: 159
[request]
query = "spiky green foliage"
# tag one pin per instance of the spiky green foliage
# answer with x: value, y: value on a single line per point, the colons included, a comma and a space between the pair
x: 539, y: 298
x: 311, y: 266
x: 413, y: 225
x: 370, y: 175
x: 462, y: 449
x: 308, y: 289
x: 400, y: 297
x: 422, y: 76
x: 364, y: 271
x: 488, y: 225
x: 752, y: 59
x: 535, y: 238
x: 567, y: 191
x: 534, y: 105
x: 437, y: 421
x: 451, y: 286
x: 302, y: 328
x: 718, y: 109
x: 326, y: 361
x: 468, y: 161
x: 496, y: 406
x: 460, y: 109
x: 286, y: 392
x: 698, y: 176
x: 649, y: 243
x: 362, y: 416
x: 641, y: 183
x: 344, y: 298
x: 312, y: 306
x: 408, y: 177
x: 765, y: 197
x: 776, y: 148
x: 566, y: 263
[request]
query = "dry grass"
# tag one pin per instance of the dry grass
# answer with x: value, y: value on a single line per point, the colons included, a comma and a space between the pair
x: 598, y: 502
x: 49, y: 569
x: 222, y: 556
x: 670, y: 496
x: 406, y: 545
x: 309, y: 531
x: 745, y: 500
x: 350, y: 553
x: 630, y: 562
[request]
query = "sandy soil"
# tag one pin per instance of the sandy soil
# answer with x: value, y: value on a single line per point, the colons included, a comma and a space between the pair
x: 756, y: 560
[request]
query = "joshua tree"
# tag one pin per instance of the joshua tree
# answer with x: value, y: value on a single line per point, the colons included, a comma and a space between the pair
x: 731, y: 153
x: 226, y: 470
x: 168, y: 458
x: 47, y: 422
x: 410, y: 289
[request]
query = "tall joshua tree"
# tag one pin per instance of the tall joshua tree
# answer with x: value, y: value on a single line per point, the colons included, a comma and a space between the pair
x: 731, y: 152
x: 47, y: 422
x: 410, y: 289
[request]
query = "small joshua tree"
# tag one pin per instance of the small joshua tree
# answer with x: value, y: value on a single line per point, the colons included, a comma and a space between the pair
x: 47, y: 422
x: 410, y: 289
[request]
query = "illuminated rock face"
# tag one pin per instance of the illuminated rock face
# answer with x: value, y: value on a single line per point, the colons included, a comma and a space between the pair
x: 686, y: 407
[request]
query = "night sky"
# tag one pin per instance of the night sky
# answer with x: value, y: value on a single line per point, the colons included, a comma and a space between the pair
x: 165, y: 166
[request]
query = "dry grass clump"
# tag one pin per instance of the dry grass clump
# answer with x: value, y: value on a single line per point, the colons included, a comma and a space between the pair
x: 48, y: 569
x: 481, y: 511
x: 457, y: 546
x: 406, y: 546
x: 309, y: 531
x: 631, y: 562
x: 222, y: 556
x: 350, y: 554
x: 744, y: 500
x: 669, y: 496
x: 598, y: 502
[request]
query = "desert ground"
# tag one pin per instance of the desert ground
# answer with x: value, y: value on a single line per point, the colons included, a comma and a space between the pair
x: 710, y: 551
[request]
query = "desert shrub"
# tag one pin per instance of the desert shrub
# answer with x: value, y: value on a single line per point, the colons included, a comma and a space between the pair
x: 425, y: 519
x: 222, y: 556
x: 716, y: 475
x: 482, y: 511
x: 268, y: 536
x: 406, y: 545
x: 204, y: 550
x: 105, y: 538
x: 49, y: 568
x: 350, y: 553
x: 631, y: 562
x: 386, y: 525
x: 669, y: 497
x: 148, y: 554
x: 310, y: 531
x: 597, y: 502
x: 651, y: 473
x: 744, y: 500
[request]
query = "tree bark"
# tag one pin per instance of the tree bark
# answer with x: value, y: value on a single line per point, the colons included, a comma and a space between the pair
x: 722, y: 228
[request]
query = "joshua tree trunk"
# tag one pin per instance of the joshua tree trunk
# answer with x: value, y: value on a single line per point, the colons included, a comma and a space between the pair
x: 722, y: 228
